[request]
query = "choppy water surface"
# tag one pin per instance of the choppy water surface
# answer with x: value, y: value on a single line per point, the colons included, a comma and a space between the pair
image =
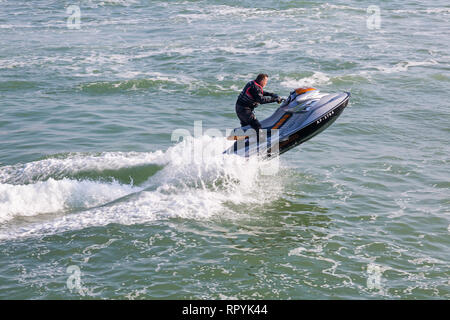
x: 93, y: 188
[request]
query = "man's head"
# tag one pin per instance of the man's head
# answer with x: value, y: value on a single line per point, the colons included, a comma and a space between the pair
x: 262, y: 79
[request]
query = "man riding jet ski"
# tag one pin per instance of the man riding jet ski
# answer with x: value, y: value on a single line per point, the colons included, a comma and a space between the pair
x: 251, y: 96
x: 305, y: 113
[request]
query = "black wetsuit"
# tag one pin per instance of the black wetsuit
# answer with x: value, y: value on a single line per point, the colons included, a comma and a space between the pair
x: 251, y: 96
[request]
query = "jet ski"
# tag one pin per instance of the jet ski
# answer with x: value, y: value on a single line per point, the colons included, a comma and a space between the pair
x: 304, y: 113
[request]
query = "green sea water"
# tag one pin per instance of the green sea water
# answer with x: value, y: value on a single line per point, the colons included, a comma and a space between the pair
x: 98, y: 202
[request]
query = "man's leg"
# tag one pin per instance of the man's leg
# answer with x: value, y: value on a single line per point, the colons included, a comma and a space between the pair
x: 251, y: 120
x: 254, y: 123
x: 247, y: 117
x: 243, y: 115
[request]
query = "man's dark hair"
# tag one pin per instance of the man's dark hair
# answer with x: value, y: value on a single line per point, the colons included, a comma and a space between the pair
x: 261, y: 77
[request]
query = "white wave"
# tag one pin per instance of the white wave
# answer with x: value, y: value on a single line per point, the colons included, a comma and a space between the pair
x: 234, y: 50
x: 56, y: 195
x: 197, y: 182
x: 7, y: 26
x: 213, y: 12
x: 146, y: 207
x: 76, y: 162
x: 97, y: 58
x: 405, y: 65
x: 270, y: 43
x: 11, y: 63
x: 341, y: 7
x: 318, y: 78
x: 427, y: 11
x: 426, y: 260
x: 102, y: 3
x: 438, y: 10
x: 56, y: 61
x: 299, y: 251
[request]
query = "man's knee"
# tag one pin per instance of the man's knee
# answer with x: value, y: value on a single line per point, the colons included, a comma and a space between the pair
x: 254, y: 123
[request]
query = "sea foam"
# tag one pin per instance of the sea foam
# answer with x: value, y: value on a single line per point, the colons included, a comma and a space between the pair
x: 196, y: 182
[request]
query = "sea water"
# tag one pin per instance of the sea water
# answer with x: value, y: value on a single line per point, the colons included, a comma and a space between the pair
x: 97, y: 200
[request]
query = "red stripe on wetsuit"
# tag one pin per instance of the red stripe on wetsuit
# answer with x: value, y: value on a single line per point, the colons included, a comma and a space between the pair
x: 249, y: 94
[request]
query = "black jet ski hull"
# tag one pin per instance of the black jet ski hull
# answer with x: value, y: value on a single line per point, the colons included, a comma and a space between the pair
x: 312, y: 129
x: 294, y: 128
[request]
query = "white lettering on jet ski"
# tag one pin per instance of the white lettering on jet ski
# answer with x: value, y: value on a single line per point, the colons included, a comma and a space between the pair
x: 329, y: 114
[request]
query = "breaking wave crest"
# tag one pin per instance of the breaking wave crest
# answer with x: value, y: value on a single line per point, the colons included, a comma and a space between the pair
x: 80, y: 190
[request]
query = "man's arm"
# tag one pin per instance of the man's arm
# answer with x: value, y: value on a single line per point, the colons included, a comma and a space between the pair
x: 275, y: 97
x: 259, y: 97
